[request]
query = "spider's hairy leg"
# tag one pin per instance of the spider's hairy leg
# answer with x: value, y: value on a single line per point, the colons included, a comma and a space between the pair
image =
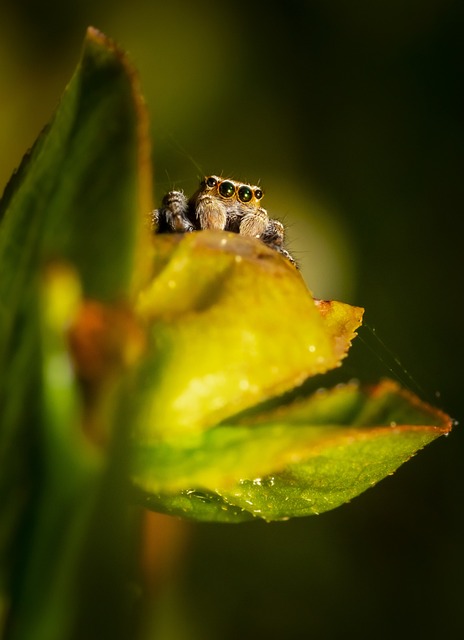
x: 254, y: 223
x: 210, y: 213
x: 172, y: 216
x: 274, y: 233
x: 273, y: 236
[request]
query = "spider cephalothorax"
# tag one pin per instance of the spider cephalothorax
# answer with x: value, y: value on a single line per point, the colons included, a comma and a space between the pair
x: 220, y: 204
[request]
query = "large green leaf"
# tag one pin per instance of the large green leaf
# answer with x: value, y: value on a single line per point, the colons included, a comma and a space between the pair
x: 231, y: 325
x: 71, y: 226
x: 301, y: 459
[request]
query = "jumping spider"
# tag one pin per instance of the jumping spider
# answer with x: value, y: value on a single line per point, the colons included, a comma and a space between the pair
x: 220, y: 204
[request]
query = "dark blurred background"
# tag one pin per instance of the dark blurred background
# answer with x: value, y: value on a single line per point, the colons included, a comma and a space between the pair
x: 350, y: 115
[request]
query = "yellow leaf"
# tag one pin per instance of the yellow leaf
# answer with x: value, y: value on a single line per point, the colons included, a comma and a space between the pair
x: 231, y: 324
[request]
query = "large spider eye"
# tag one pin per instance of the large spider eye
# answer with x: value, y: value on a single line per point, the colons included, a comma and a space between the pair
x: 227, y: 189
x: 258, y: 194
x: 211, y: 182
x: 245, y: 194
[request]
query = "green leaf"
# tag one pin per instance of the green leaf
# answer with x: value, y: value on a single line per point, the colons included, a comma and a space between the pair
x: 75, y: 195
x: 298, y: 460
x: 231, y: 323
x: 72, y: 227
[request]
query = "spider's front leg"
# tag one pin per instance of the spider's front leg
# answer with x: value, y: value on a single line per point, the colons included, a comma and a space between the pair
x: 273, y: 236
x: 254, y: 223
x: 172, y: 216
x: 210, y: 212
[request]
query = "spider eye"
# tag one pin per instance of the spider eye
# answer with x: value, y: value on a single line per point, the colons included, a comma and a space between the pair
x: 211, y: 182
x: 258, y: 194
x: 245, y: 194
x: 227, y: 189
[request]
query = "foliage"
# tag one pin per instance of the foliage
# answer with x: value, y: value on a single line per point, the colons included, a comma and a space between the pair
x: 126, y: 356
